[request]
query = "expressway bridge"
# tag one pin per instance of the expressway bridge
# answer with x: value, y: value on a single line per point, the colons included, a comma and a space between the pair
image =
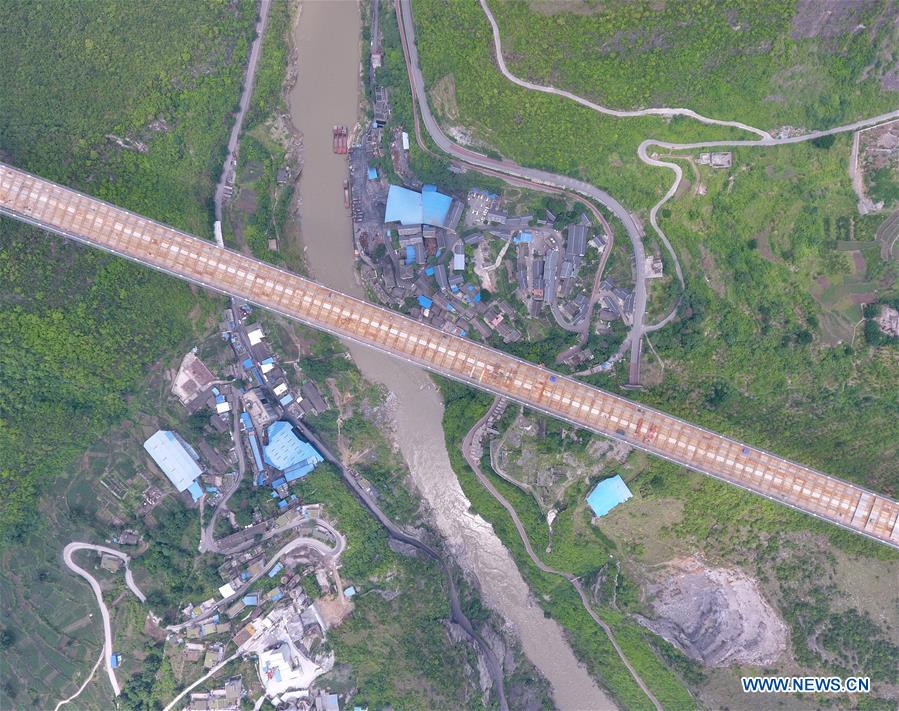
x: 98, y: 224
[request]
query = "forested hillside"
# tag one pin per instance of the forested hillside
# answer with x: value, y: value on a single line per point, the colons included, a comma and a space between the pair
x: 129, y: 102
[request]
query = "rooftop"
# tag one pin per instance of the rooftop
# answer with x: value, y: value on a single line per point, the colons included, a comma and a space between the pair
x: 607, y: 495
x: 408, y: 207
x: 288, y: 453
x: 176, y: 462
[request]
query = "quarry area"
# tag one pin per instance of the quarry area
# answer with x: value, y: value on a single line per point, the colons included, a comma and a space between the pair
x: 716, y: 616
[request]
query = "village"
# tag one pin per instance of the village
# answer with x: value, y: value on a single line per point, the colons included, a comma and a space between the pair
x: 468, y: 264
x: 281, y: 588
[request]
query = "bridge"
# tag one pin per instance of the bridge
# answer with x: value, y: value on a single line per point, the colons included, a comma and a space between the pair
x: 66, y: 212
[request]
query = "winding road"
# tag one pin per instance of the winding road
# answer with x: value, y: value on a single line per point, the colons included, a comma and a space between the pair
x: 456, y: 614
x: 472, y: 450
x: 98, y: 593
x: 634, y: 338
x: 532, y: 175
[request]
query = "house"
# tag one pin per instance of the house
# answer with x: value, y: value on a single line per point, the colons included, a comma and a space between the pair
x: 576, y: 242
x: 111, y: 563
x: 313, y: 397
x: 458, y: 257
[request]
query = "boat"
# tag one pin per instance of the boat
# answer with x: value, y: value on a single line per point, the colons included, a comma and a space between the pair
x: 346, y: 194
x: 339, y: 138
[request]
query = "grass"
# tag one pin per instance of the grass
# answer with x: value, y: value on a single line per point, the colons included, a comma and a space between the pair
x: 555, y: 595
x: 89, y: 324
x: 746, y: 61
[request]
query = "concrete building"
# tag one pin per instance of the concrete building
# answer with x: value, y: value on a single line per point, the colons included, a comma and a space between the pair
x: 550, y: 272
x: 177, y: 460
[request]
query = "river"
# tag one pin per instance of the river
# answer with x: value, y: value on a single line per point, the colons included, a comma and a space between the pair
x: 327, y: 38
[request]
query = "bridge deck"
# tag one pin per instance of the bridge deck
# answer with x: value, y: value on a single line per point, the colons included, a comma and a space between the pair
x: 66, y: 212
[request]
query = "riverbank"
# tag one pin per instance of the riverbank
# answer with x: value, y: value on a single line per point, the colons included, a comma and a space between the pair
x: 327, y: 40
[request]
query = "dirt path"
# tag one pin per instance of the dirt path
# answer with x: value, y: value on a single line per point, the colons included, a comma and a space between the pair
x: 472, y: 450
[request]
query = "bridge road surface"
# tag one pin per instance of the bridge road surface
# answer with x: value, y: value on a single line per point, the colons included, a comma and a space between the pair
x: 99, y: 224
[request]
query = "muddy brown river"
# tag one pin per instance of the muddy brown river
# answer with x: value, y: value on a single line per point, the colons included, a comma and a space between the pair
x: 327, y: 38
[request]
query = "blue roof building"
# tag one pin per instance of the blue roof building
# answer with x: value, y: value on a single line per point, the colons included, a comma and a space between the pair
x: 288, y: 453
x: 176, y: 460
x: 372, y: 174
x: 424, y: 301
x: 408, y: 207
x: 274, y: 571
x: 607, y: 495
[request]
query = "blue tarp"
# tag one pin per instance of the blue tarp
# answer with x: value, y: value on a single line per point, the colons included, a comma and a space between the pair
x: 195, y: 491
x: 429, y: 271
x: 350, y: 591
x: 274, y: 597
x: 607, y: 495
x: 282, y: 504
x: 410, y: 253
x: 411, y: 208
x: 372, y: 174
x: 425, y: 302
x: 248, y: 363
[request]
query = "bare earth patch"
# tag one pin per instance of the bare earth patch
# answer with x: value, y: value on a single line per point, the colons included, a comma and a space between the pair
x: 716, y: 616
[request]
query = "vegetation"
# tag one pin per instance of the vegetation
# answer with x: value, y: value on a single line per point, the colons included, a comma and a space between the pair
x: 86, y: 326
x: 765, y: 349
x: 559, y: 600
x: 763, y: 62
x: 426, y: 669
x: 536, y: 129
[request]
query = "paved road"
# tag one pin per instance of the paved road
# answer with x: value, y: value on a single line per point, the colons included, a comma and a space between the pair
x: 212, y: 672
x: 255, y: 52
x: 664, y: 111
x: 207, y: 537
x: 563, y: 182
x: 322, y: 549
x: 456, y: 614
x: 98, y: 593
x: 472, y: 450
x: 765, y: 139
